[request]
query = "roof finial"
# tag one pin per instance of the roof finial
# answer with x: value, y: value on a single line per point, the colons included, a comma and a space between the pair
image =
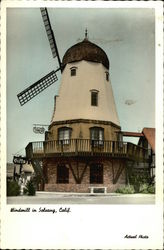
x: 86, y: 34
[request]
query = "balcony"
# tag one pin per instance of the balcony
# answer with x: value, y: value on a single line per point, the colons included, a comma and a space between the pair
x: 85, y: 147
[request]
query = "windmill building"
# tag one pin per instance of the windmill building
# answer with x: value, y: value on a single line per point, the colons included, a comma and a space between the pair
x: 83, y: 150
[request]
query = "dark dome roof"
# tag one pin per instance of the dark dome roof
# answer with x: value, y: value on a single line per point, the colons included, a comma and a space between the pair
x: 85, y: 50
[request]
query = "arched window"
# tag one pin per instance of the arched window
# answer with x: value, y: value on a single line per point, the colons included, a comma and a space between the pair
x: 64, y: 135
x: 107, y: 75
x: 73, y: 71
x: 94, y: 97
x: 97, y: 136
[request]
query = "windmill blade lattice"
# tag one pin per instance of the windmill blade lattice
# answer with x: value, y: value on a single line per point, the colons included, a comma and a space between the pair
x: 30, y: 92
x: 50, y: 34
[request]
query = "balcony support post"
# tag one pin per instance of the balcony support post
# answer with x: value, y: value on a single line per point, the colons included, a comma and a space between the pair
x: 127, y: 173
x: 73, y: 173
x: 84, y: 170
x: 77, y: 166
x: 78, y: 178
x: 119, y: 171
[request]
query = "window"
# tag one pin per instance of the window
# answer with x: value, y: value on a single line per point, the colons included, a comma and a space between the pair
x: 107, y: 76
x: 73, y: 71
x: 97, y: 136
x: 94, y: 97
x: 62, y: 174
x: 96, y: 174
x: 64, y: 134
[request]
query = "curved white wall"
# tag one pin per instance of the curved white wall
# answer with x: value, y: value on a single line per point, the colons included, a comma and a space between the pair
x: 74, y: 100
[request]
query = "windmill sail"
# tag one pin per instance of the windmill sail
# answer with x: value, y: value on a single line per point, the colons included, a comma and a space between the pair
x: 30, y: 92
x: 50, y: 35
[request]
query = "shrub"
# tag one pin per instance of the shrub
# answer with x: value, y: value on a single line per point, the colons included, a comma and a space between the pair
x: 144, y: 188
x: 125, y: 190
x: 147, y: 189
x: 151, y: 189
x: 138, y: 180
x: 13, y: 188
x: 25, y: 191
x: 29, y: 188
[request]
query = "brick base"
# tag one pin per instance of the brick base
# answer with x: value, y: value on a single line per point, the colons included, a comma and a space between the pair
x: 72, y: 186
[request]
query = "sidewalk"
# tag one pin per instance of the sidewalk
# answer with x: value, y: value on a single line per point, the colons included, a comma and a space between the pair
x: 40, y: 193
x: 82, y: 198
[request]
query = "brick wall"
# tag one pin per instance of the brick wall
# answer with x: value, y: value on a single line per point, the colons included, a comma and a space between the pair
x: 72, y: 186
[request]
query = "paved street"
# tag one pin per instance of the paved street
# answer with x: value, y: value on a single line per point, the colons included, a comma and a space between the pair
x: 65, y: 198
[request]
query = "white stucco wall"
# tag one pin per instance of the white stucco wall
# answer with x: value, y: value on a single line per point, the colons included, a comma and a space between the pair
x: 74, y: 100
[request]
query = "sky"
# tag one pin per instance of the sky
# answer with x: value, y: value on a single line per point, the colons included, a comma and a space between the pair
x: 126, y: 35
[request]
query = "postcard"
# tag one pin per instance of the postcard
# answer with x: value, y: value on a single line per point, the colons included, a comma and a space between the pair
x: 81, y: 125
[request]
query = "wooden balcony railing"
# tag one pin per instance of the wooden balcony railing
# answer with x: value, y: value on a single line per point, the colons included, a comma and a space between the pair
x: 82, y: 147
